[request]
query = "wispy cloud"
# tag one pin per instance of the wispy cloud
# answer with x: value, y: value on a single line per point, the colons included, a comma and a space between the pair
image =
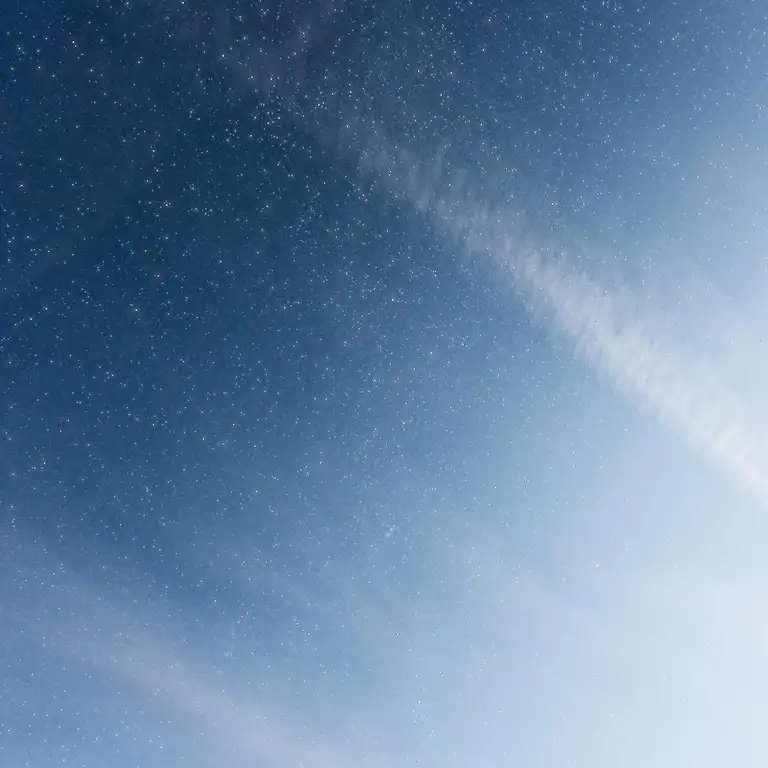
x: 632, y: 347
x: 128, y: 639
x: 478, y: 663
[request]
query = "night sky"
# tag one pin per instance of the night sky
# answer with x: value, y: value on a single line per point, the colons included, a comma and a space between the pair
x: 383, y: 384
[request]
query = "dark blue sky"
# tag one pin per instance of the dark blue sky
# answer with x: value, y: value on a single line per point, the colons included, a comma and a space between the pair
x: 291, y: 406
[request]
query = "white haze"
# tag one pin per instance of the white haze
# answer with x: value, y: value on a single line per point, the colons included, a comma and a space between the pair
x: 647, y: 654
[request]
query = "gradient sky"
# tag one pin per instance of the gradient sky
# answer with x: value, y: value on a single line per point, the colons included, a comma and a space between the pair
x: 384, y: 384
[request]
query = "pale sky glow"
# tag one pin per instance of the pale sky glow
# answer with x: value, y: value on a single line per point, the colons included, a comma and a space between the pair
x: 386, y: 425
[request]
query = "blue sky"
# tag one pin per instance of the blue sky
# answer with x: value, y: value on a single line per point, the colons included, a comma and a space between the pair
x: 384, y: 386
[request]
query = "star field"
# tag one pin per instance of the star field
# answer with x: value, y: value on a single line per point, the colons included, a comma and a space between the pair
x: 373, y: 379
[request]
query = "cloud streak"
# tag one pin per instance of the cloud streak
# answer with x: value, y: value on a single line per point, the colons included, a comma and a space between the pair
x: 627, y: 344
x: 477, y: 663
x: 686, y: 393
